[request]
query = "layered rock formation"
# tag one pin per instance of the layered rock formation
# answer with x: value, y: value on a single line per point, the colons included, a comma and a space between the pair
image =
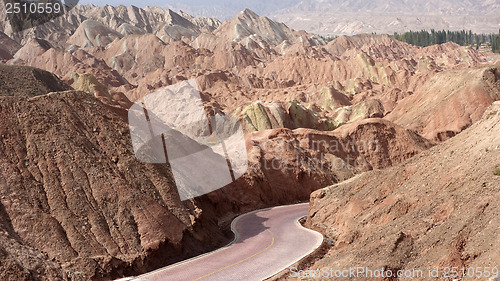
x: 72, y: 189
x: 129, y: 20
x: 253, y: 58
x: 7, y: 47
x: 449, y: 102
x: 314, y: 114
x: 74, y: 196
x: 438, y: 209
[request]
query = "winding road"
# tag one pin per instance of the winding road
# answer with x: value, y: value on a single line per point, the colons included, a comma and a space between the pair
x: 266, y: 242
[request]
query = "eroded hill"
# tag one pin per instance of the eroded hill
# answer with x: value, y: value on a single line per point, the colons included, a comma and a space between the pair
x: 75, y: 197
x: 76, y: 200
x: 438, y: 209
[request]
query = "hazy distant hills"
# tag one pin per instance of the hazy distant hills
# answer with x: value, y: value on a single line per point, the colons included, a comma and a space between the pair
x: 359, y: 16
x: 381, y: 16
x: 428, y: 7
x: 226, y: 9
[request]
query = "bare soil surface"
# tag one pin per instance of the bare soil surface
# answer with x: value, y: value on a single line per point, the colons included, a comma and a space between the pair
x: 438, y: 209
x: 76, y: 204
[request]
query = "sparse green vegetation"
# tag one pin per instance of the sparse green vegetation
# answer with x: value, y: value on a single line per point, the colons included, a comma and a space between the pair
x: 497, y: 172
x: 464, y: 38
x: 328, y: 38
x: 495, y: 43
x: 330, y: 240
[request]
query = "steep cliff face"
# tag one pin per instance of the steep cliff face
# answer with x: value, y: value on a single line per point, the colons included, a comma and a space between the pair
x: 73, y: 189
x: 20, y: 261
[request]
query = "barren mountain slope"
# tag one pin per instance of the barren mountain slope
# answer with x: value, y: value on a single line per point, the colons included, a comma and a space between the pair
x: 28, y: 81
x: 39, y: 53
x: 73, y: 190
x: 449, y: 102
x: 248, y: 26
x: 439, y: 208
x: 92, y: 33
x: 77, y: 200
x: 247, y: 59
x: 120, y: 19
x: 286, y: 165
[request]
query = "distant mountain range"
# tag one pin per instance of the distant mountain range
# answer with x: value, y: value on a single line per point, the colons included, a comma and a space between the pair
x: 226, y: 9
x: 357, y: 16
x: 337, y: 17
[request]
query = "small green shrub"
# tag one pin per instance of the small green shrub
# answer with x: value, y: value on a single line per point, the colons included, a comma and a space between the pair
x: 497, y: 172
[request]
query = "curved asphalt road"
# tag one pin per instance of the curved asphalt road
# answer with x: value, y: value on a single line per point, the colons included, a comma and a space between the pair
x: 267, y: 241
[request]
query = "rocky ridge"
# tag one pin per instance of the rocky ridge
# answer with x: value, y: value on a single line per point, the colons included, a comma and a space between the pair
x: 436, y: 209
x: 253, y: 57
x: 98, y: 213
x: 315, y: 114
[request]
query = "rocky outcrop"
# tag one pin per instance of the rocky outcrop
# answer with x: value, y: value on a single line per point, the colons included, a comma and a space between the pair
x: 372, y: 108
x: 91, y: 206
x: 292, y: 115
x: 286, y: 165
x: 254, y: 31
x: 449, y: 102
x: 23, y: 81
x: 92, y: 33
x: 438, y: 209
x: 93, y: 211
x: 63, y: 63
x: 89, y: 84
x: 379, y: 46
x: 136, y: 55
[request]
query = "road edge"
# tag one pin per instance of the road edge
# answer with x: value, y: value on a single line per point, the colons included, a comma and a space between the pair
x: 236, y: 236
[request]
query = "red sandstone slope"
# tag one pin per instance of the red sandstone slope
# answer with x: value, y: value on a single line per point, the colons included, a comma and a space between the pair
x: 439, y: 208
x: 449, y: 102
x: 28, y: 81
x: 286, y: 165
x: 90, y: 203
x: 93, y: 211
x: 107, y: 211
x: 248, y: 58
